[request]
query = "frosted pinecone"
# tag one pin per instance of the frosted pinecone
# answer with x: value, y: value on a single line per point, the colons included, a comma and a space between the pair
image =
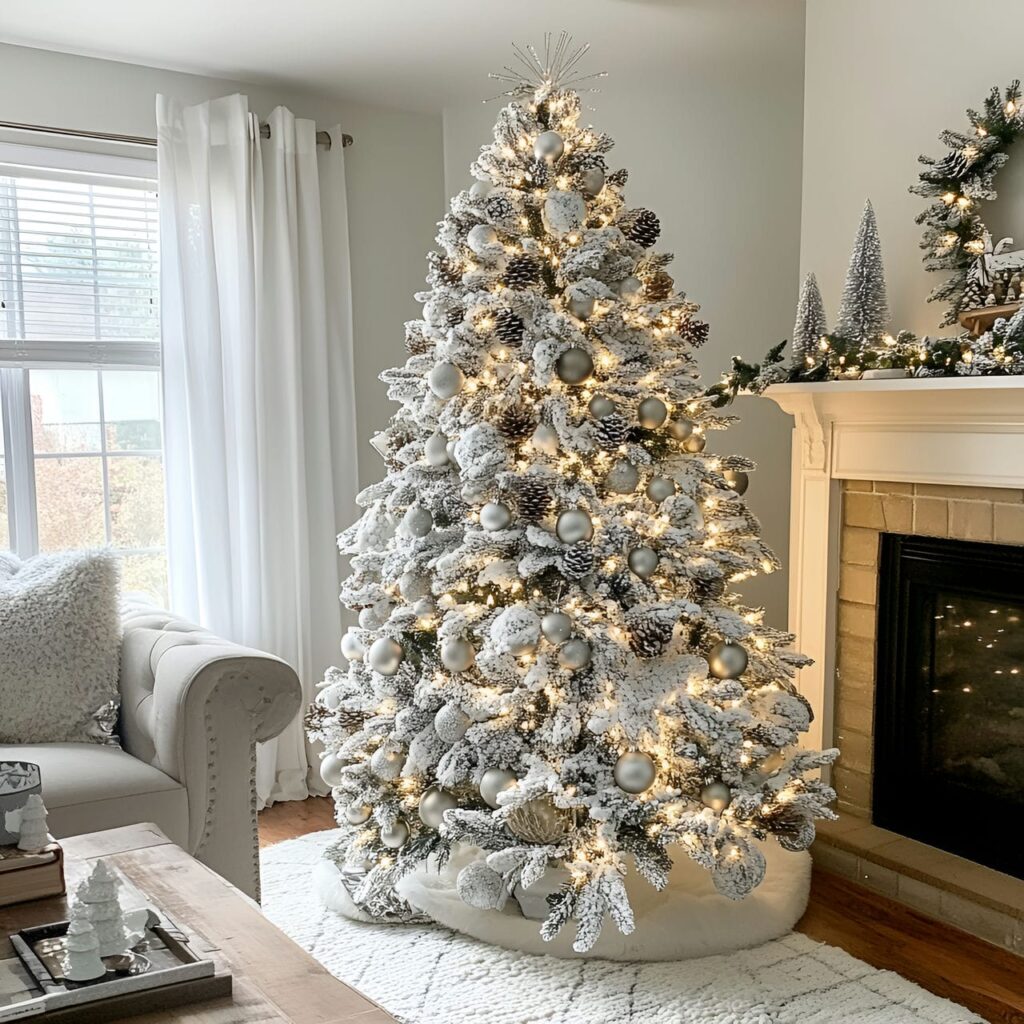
x: 455, y: 316
x: 539, y: 173
x: 533, y: 499
x: 618, y: 178
x: 416, y: 342
x: 695, y: 332
x: 612, y: 431
x: 443, y: 270
x: 642, y: 226
x: 578, y: 560
x: 793, y: 829
x: 522, y: 271
x: 498, y: 208
x: 516, y: 420
x: 648, y: 635
x: 508, y: 326
x: 658, y: 287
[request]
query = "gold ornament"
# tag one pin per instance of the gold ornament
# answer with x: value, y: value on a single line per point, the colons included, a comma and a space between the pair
x: 540, y: 821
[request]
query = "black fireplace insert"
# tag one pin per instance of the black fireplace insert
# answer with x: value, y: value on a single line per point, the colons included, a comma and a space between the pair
x: 949, y: 697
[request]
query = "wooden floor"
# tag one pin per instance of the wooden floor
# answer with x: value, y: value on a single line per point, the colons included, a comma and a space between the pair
x: 885, y: 934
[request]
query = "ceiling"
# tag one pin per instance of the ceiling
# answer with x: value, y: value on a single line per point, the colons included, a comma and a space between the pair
x: 414, y: 54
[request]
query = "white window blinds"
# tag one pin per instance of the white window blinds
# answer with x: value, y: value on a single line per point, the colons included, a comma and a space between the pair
x: 78, y: 269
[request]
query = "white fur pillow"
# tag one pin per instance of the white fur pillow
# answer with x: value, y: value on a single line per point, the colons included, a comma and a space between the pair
x: 60, y: 647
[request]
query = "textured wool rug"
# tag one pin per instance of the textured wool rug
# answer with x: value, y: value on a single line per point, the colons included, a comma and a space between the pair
x: 429, y: 975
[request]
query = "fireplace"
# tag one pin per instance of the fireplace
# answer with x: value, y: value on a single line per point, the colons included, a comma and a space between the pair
x: 949, y: 696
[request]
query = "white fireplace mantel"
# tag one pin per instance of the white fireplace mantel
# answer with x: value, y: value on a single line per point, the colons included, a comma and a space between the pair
x: 961, y: 430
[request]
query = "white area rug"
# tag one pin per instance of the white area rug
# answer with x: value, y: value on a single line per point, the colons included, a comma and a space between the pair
x: 429, y: 975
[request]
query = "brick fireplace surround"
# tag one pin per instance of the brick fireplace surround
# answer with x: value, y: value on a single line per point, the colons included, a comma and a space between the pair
x: 931, y: 458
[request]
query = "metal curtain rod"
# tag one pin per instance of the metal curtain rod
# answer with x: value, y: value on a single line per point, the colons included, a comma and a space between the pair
x: 322, y: 138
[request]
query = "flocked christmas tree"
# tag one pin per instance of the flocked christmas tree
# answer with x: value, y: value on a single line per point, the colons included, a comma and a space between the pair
x: 550, y: 662
x: 810, y: 326
x: 864, y: 312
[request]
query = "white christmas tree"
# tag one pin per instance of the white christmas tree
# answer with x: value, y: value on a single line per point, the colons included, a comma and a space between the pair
x: 98, y: 895
x: 810, y: 323
x: 82, y: 960
x: 551, y: 663
x: 32, y: 832
x: 864, y: 312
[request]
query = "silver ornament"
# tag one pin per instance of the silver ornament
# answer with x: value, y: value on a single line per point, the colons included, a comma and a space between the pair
x: 679, y: 429
x: 480, y: 189
x: 716, y: 795
x: 622, y: 478
x: 540, y: 821
x: 694, y: 443
x: 556, y: 627
x: 736, y: 480
x: 592, y: 180
x: 385, y: 655
x: 548, y: 146
x: 331, y: 698
x: 481, y: 237
x: 371, y: 618
x: 600, y: 407
x: 631, y: 290
x: 436, y: 449
x: 413, y: 586
x: 450, y: 450
x: 643, y: 561
x: 457, y: 654
x: 574, y: 654
x: 425, y: 607
x: 446, y: 380
x: 495, y: 781
x: 545, y: 439
x: 574, y: 525
x: 395, y: 835
x: 495, y: 516
x: 418, y: 521
x: 660, y: 488
x: 574, y: 366
x: 481, y: 887
x: 727, y: 660
x: 356, y: 814
x: 387, y: 762
x: 451, y: 723
x: 652, y: 412
x: 581, y: 306
x: 331, y: 769
x: 634, y: 772
x: 352, y: 647
x: 434, y: 802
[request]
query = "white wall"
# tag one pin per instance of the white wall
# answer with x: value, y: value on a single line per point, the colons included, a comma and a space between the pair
x: 882, y: 80
x: 714, y: 148
x: 394, y: 181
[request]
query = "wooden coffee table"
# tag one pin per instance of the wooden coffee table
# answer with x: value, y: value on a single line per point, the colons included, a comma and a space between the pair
x: 274, y: 980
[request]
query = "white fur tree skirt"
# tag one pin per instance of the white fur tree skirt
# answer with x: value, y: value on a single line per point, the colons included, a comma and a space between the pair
x: 430, y: 975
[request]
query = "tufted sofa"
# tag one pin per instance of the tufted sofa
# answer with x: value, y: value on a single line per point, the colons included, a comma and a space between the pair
x: 193, y: 707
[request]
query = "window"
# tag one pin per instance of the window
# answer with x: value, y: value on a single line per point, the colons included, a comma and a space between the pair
x: 80, y: 448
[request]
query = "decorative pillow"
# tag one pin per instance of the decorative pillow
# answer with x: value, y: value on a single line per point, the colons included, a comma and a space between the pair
x: 60, y: 647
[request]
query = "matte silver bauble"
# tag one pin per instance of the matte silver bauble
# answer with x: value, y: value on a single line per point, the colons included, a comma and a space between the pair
x: 418, y: 521
x: 574, y: 525
x: 434, y: 802
x: 356, y: 814
x: 436, y: 449
x: 413, y: 586
x: 631, y: 290
x: 387, y: 762
x: 395, y: 835
x: 622, y: 478
x: 385, y: 655
x: 548, y: 146
x: 679, y: 429
x: 450, y: 449
x: 727, y: 660
x: 652, y: 413
x: 330, y: 698
x: 581, y: 306
x: 592, y: 180
x: 736, y: 480
x: 331, y: 769
x: 600, y: 407
x: 643, y: 561
x: 425, y: 607
x: 556, y: 627
x: 495, y: 781
x: 716, y: 795
x: 574, y: 654
x: 695, y: 443
x: 451, y: 722
x: 634, y: 772
x: 446, y: 380
x: 495, y: 516
x: 660, y: 488
x: 545, y: 439
x: 540, y: 821
x: 370, y: 618
x: 481, y: 237
x: 574, y: 366
x: 481, y: 887
x: 352, y: 647
x: 480, y: 189
x: 457, y: 654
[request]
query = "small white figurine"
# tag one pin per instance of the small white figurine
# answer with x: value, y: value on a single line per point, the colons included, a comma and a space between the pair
x: 82, y: 961
x: 32, y: 833
x: 97, y: 895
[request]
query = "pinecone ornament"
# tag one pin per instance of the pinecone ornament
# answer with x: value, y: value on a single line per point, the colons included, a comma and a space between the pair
x: 612, y: 431
x: 643, y: 227
x: 658, y: 287
x: 443, y: 269
x: 648, y: 635
x: 499, y: 208
x: 508, y: 326
x: 522, y: 271
x: 416, y: 342
x: 617, y: 178
x: 695, y: 332
x: 793, y: 829
x: 578, y: 560
x: 350, y: 720
x: 533, y: 499
x: 516, y: 420
x: 455, y: 316
x: 539, y: 173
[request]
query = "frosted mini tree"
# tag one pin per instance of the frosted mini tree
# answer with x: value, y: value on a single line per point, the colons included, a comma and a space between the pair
x: 864, y: 312
x: 810, y: 325
x: 550, y: 663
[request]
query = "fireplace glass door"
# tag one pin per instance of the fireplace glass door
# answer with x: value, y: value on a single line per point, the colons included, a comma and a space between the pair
x: 949, y: 727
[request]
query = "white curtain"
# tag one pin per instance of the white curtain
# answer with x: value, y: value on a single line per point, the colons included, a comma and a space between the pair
x: 259, y: 421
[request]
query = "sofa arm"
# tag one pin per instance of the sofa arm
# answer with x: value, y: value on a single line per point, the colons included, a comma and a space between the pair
x: 194, y: 706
